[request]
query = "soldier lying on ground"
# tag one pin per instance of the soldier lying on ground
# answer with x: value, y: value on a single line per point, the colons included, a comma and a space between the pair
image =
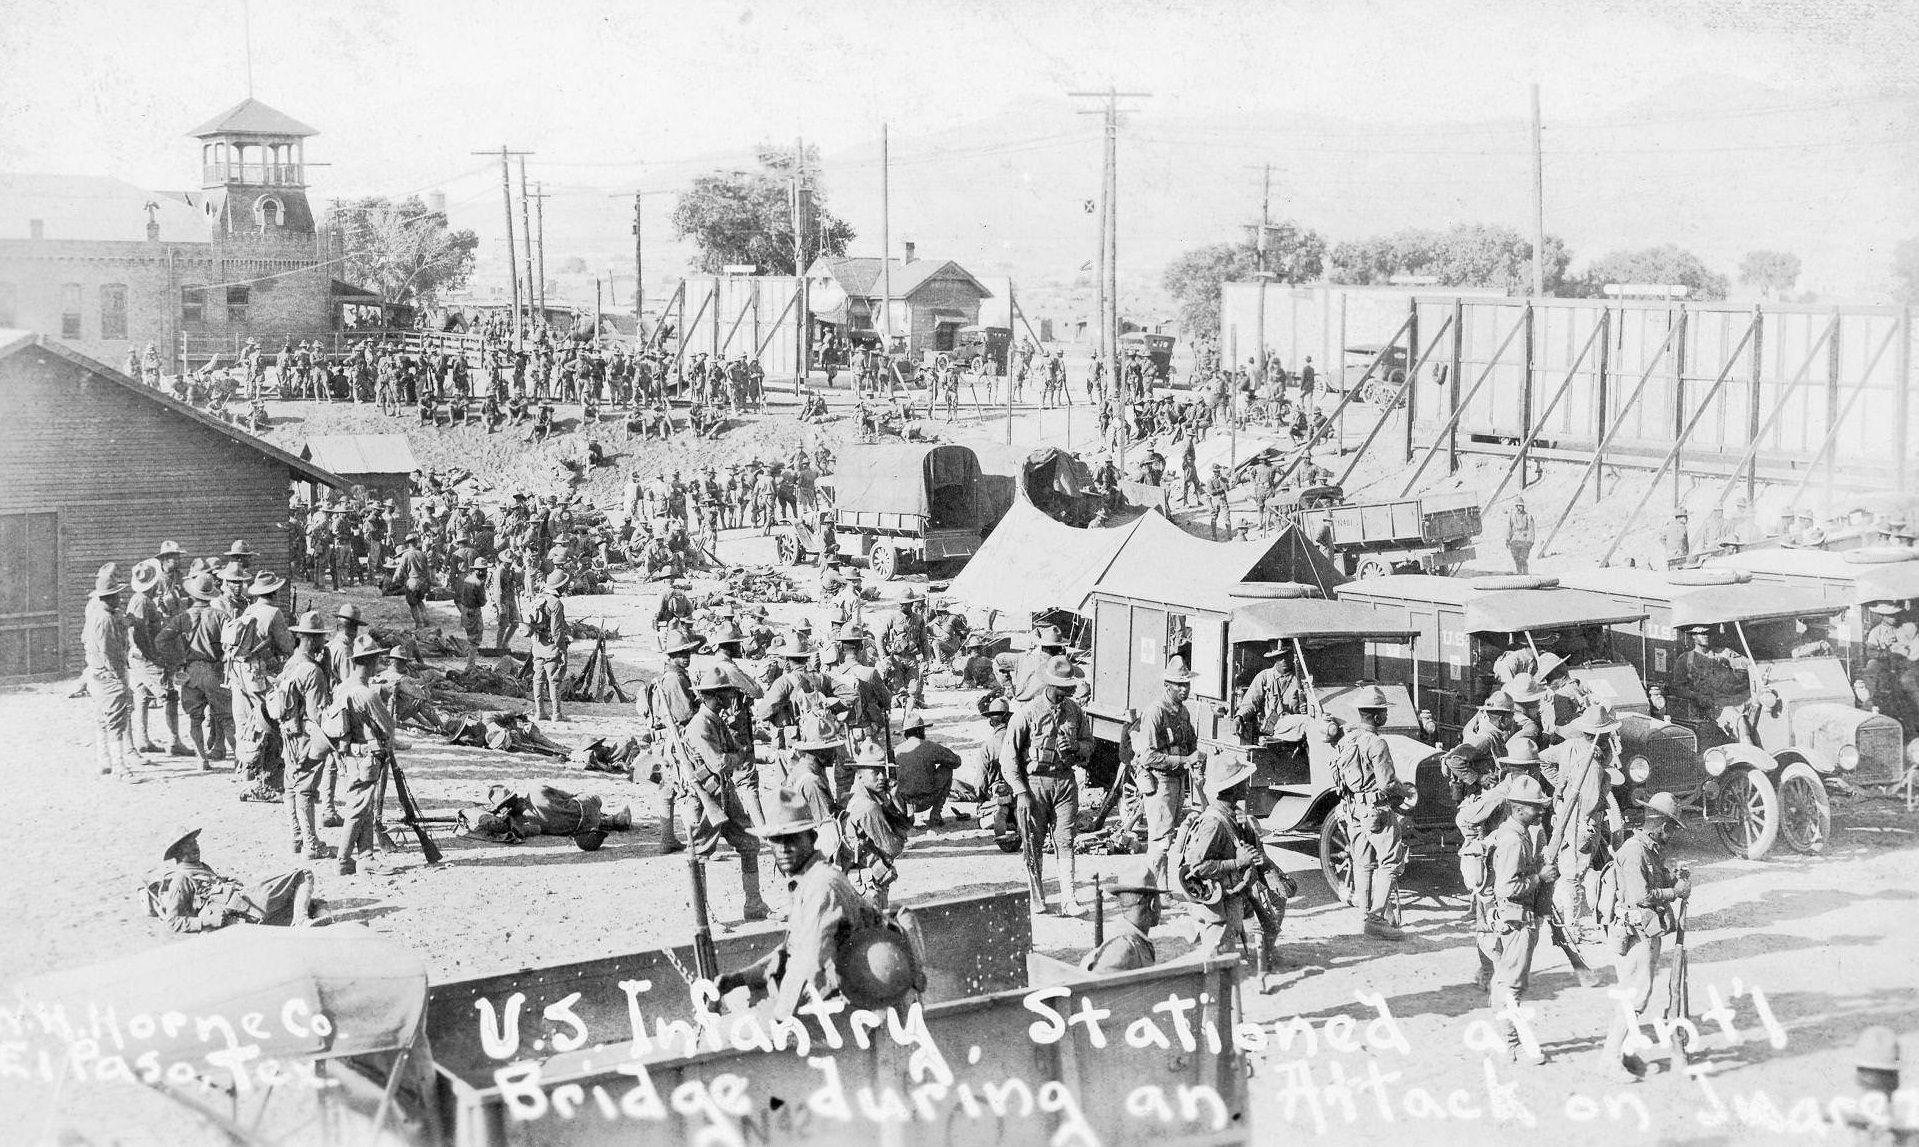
x: 541, y: 811
x: 191, y: 897
x: 503, y: 731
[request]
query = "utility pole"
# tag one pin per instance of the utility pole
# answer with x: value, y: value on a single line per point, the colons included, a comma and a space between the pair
x: 1259, y: 269
x: 526, y: 227
x: 886, y: 260
x: 539, y: 223
x: 800, y: 357
x: 1109, y: 244
x: 506, y: 194
x: 1539, y: 207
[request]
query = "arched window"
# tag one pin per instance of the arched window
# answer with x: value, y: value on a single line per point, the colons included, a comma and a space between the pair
x: 270, y: 213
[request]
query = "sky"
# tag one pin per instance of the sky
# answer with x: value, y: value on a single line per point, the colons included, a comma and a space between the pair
x: 643, y: 94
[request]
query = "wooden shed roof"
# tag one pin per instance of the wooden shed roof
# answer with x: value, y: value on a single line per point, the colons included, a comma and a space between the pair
x: 14, y: 342
x: 361, y: 453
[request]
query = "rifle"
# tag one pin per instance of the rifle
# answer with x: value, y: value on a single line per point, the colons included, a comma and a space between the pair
x: 1679, y: 1006
x: 410, y: 811
x: 710, y: 811
x: 706, y: 961
x: 1556, y: 925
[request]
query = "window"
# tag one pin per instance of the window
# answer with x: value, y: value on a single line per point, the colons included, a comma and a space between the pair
x: 193, y: 305
x: 8, y: 302
x: 269, y: 212
x: 113, y: 310
x: 237, y: 306
x: 70, y: 311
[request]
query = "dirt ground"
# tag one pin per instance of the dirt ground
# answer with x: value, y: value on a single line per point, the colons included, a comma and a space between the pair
x: 1828, y: 940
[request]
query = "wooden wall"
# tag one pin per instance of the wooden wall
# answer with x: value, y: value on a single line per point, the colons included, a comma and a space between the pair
x: 125, y: 473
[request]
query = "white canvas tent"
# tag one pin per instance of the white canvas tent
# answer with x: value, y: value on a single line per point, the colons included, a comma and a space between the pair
x: 1031, y: 563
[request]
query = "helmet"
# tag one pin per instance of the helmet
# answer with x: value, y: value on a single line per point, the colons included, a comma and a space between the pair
x: 878, y: 967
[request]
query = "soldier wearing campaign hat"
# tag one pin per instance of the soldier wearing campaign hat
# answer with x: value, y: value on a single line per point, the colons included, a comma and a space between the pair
x: 1370, y: 793
x: 1047, y: 742
x: 1505, y: 913
x: 256, y: 644
x: 303, y: 691
x: 1129, y: 944
x: 720, y: 783
x: 103, y: 636
x: 546, y: 624
x: 1221, y: 860
x: 1168, y: 758
x: 1649, y: 890
x: 358, y: 730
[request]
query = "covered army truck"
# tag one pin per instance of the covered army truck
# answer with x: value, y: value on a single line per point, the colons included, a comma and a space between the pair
x: 1225, y: 636
x: 897, y: 506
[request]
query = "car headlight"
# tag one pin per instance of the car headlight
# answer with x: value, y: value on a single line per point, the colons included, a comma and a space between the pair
x: 1408, y: 797
x: 1639, y: 769
x: 1849, y: 757
x: 1715, y: 761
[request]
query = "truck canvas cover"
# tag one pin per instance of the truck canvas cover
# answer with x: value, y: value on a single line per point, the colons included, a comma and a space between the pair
x: 901, y: 479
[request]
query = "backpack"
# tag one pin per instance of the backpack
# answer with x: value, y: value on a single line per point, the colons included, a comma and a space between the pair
x: 278, y: 701
x: 1606, y: 900
x: 1200, y: 890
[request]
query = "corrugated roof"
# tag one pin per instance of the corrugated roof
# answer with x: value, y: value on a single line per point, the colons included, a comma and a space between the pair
x: 16, y: 341
x: 251, y: 117
x: 362, y: 453
x: 860, y: 278
x: 93, y: 207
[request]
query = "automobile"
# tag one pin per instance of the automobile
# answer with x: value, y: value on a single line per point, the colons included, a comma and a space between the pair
x: 1465, y: 624
x: 1382, y: 386
x: 896, y: 506
x: 1157, y: 350
x: 1371, y: 539
x: 1225, y: 636
x: 1804, y: 738
x: 990, y: 343
x: 1855, y: 578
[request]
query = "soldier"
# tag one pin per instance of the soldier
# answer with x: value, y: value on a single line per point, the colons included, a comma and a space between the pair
x: 670, y: 697
x: 1168, y: 755
x: 793, y: 693
x: 152, y: 661
x: 1129, y: 946
x: 1471, y: 764
x: 1576, y: 770
x: 1047, y: 741
x: 304, y: 691
x: 1505, y: 918
x: 104, y: 639
x: 862, y: 694
x: 469, y: 597
x: 405, y: 696
x: 713, y: 807
x: 256, y: 644
x: 1276, y: 694
x: 191, y: 897
x: 203, y: 693
x: 1222, y: 859
x: 948, y: 629
x: 825, y: 911
x: 359, y: 731
x: 1714, y: 679
x: 503, y: 587
x: 1369, y: 787
x: 926, y: 770
x: 876, y: 825
x: 411, y: 572
x: 1648, y: 890
x: 1219, y: 488
x: 1480, y: 816
x: 546, y: 624
x: 903, y: 643
x: 1528, y: 717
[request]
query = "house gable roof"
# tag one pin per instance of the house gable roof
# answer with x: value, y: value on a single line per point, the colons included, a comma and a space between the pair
x: 860, y: 278
x: 14, y: 342
x: 251, y: 117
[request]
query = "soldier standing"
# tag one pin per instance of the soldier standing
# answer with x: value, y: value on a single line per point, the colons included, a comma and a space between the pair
x: 150, y: 662
x: 469, y: 596
x: 670, y: 697
x: 546, y: 624
x: 104, y: 637
x: 305, y: 690
x: 503, y: 586
x: 255, y: 644
x: 1648, y: 891
x: 1505, y: 916
x: 203, y: 691
x: 1576, y: 769
x: 1519, y: 535
x: 903, y: 639
x: 714, y: 811
x: 876, y: 825
x: 1047, y: 741
x: 1363, y: 771
x: 1223, y: 858
x: 1168, y: 754
x: 359, y: 730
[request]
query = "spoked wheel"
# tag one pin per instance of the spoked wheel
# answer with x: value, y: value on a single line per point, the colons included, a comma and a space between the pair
x: 1336, y: 857
x: 884, y: 561
x: 789, y: 550
x: 1746, y: 815
x: 1805, y: 812
x: 1373, y: 567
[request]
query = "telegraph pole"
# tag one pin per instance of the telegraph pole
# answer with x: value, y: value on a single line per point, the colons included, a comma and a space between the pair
x: 639, y: 269
x: 1109, y: 241
x: 1259, y: 270
x: 539, y: 223
x: 886, y: 260
x: 506, y: 194
x: 526, y: 228
x: 800, y: 324
x: 1539, y: 206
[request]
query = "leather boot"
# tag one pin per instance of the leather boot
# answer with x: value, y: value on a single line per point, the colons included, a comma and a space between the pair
x: 316, y: 849
x: 756, y: 908
x: 293, y: 815
x: 331, y: 818
x: 179, y: 747
x: 621, y: 820
x: 1035, y: 893
x: 669, y: 832
x: 1068, y: 881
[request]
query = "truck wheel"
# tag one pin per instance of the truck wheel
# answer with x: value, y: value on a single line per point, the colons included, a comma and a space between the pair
x: 1805, y: 812
x: 1373, y: 567
x: 884, y: 561
x: 789, y: 550
x: 1746, y: 815
x: 1336, y: 856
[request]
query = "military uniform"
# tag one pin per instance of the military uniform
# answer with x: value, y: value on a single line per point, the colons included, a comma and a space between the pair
x: 1045, y: 742
x: 547, y: 625
x: 1274, y: 695
x: 1643, y: 919
x: 1125, y: 950
x: 825, y: 909
x: 1169, y: 746
x: 1363, y: 768
x: 306, y: 691
x: 361, y: 751
x: 1505, y: 923
x: 1212, y: 850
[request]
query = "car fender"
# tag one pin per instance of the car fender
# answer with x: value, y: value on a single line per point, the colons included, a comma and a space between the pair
x: 1750, y: 756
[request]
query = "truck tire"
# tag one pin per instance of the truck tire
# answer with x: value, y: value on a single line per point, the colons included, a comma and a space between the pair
x: 1373, y: 567
x: 1750, y: 807
x: 1805, y: 812
x: 790, y: 552
x: 884, y: 561
x: 1336, y: 856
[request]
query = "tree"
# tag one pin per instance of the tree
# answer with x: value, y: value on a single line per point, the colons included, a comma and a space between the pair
x: 1294, y: 254
x: 747, y: 216
x: 1463, y: 255
x: 1905, y: 272
x: 1773, y: 272
x: 1668, y: 264
x: 573, y: 265
x: 400, y: 249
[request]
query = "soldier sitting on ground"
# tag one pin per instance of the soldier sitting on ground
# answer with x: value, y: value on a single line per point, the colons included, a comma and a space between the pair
x: 1129, y: 946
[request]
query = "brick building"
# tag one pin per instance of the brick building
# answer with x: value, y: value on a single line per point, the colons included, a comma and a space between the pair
x: 931, y: 299
x: 106, y: 266
x: 95, y: 467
